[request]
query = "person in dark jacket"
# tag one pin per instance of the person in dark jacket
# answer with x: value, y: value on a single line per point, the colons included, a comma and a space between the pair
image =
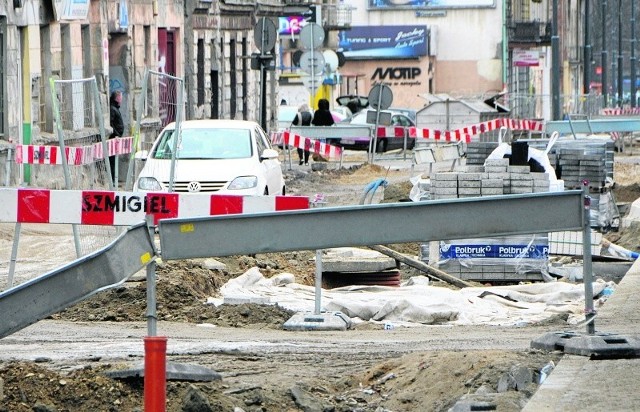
x: 322, y: 116
x: 116, y: 124
x: 303, y: 118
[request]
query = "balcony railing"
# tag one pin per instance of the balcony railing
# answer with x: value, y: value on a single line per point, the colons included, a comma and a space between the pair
x: 530, y: 32
x: 337, y: 16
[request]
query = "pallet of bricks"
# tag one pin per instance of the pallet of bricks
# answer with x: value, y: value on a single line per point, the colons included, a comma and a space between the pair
x: 501, y: 259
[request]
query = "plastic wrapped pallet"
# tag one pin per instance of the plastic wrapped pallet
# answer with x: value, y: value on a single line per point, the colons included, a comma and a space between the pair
x: 512, y: 258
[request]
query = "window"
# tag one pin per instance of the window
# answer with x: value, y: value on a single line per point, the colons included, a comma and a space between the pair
x: 261, y: 141
x: 233, y: 79
x: 245, y: 80
x: 46, y: 115
x: 200, y: 74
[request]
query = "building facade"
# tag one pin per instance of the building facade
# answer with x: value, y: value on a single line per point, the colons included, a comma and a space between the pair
x: 456, y: 47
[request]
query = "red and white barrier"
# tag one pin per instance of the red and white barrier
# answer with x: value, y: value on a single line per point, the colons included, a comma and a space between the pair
x: 462, y: 134
x: 620, y: 111
x: 113, y: 208
x: 465, y: 133
x: 439, y: 135
x: 314, y: 146
x: 391, y: 131
x: 276, y: 138
x: 76, y: 155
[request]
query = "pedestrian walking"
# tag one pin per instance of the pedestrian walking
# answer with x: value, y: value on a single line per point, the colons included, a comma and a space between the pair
x: 323, y: 116
x: 117, y: 125
x: 303, y: 118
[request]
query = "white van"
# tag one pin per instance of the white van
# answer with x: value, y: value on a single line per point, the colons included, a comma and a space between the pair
x: 212, y: 156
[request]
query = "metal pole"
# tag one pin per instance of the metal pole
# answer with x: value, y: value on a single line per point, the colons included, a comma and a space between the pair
x: 632, y: 59
x: 263, y: 77
x: 263, y: 98
x: 587, y: 275
x: 555, y: 64
x: 7, y: 168
x: 152, y: 315
x: 587, y: 50
x: 620, y: 56
x: 318, y: 306
x: 603, y: 63
x: 14, y: 254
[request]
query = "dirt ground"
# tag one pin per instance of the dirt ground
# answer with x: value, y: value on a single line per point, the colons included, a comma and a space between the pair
x: 419, y: 381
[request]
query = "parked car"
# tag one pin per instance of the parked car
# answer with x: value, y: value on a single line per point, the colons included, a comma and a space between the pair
x: 213, y: 156
x: 367, y: 117
x: 410, y: 113
x: 353, y: 102
x: 340, y: 113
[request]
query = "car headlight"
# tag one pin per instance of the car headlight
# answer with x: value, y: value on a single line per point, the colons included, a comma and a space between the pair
x: 243, y: 182
x: 149, y: 184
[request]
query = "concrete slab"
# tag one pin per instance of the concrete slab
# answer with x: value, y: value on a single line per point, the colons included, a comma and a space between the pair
x: 175, y: 371
x: 356, y: 260
x: 321, y: 322
x: 599, y: 345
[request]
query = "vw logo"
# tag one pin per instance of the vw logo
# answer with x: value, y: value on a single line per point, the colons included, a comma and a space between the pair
x: 194, y: 187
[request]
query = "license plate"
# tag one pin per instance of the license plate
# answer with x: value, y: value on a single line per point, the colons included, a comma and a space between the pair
x: 347, y: 141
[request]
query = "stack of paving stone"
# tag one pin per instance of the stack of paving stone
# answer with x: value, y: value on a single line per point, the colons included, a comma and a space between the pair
x: 496, y: 177
x: 577, y: 165
x: 575, y: 160
x: 477, y: 152
x: 591, y: 160
x: 499, y: 263
x: 594, y: 157
x: 495, y: 260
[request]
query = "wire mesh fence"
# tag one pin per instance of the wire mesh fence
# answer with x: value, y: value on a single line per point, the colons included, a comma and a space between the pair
x: 79, y: 119
x: 160, y: 103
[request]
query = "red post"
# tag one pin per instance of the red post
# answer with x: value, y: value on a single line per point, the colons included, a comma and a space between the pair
x: 155, y: 373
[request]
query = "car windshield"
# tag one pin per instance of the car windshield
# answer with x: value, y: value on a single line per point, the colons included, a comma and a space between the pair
x: 205, y: 144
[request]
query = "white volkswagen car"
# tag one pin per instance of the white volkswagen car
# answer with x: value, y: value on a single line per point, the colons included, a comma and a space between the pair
x: 213, y: 156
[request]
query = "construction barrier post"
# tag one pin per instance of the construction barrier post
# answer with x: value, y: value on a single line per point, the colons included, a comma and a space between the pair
x: 155, y: 371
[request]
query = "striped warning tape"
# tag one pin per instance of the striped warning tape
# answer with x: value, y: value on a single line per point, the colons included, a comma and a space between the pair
x: 312, y: 145
x: 114, y: 208
x: 76, y: 155
x: 460, y: 134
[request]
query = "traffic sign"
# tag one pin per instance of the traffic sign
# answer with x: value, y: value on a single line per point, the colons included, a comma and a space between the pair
x: 312, y: 83
x: 312, y: 62
x: 311, y: 36
x: 380, y: 95
x: 264, y: 35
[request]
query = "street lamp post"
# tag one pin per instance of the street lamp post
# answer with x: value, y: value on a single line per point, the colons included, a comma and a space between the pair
x: 587, y: 50
x: 555, y: 64
x: 605, y: 87
x: 632, y: 59
x: 620, y: 56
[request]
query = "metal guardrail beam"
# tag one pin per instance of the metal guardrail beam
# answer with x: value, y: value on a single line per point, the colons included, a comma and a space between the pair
x: 45, y: 295
x: 323, y: 132
x: 371, y: 225
x: 597, y: 125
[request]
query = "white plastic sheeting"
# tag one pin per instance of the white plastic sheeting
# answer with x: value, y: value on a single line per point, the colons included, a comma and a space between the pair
x: 416, y: 302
